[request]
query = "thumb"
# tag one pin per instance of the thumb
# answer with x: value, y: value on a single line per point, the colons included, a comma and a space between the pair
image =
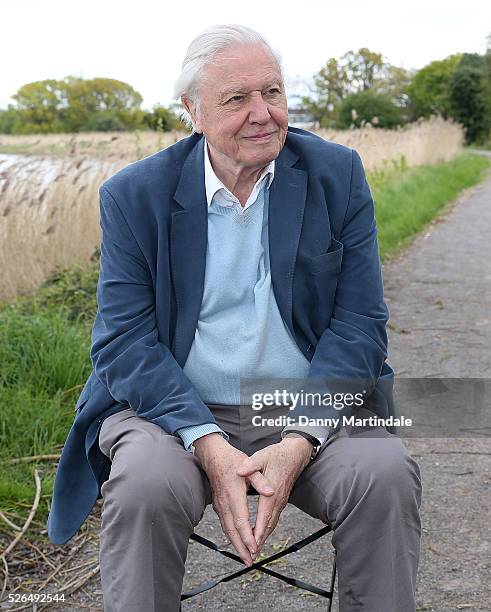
x: 249, y: 466
x: 261, y: 484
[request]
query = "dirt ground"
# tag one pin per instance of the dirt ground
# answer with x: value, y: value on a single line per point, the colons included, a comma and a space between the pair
x: 438, y: 292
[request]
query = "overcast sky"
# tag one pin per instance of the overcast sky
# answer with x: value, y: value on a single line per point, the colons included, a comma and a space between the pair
x: 143, y: 43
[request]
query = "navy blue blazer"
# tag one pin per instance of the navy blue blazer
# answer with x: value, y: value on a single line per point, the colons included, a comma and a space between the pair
x: 326, y: 279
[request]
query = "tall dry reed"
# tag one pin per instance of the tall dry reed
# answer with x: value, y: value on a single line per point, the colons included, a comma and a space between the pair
x: 101, y: 145
x: 49, y: 217
x: 423, y: 143
x: 49, y: 207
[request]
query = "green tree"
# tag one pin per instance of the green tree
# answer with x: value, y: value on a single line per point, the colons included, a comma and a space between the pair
x: 42, y: 106
x: 365, y: 69
x: 89, y: 98
x: 487, y: 60
x: 369, y: 106
x: 104, y: 121
x: 353, y: 73
x: 395, y: 84
x: 469, y: 97
x: 429, y: 91
x: 162, y: 119
x: 73, y: 105
x: 331, y: 85
x: 7, y: 120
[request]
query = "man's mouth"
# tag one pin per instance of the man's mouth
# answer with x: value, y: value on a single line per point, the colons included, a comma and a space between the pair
x: 263, y: 136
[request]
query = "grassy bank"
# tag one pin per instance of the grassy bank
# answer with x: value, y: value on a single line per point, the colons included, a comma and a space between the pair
x: 44, y: 348
x: 406, y: 199
x: 45, y: 339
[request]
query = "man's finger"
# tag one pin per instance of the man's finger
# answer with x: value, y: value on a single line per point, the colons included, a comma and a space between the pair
x: 264, y: 516
x: 261, y: 484
x: 270, y: 527
x: 240, y: 515
x: 229, y: 529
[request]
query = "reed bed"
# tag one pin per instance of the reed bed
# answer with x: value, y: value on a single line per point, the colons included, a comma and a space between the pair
x: 113, y: 146
x: 49, y: 217
x: 49, y: 206
x: 423, y: 143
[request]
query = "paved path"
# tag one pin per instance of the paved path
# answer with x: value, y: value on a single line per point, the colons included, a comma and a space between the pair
x: 439, y: 297
x: 439, y: 294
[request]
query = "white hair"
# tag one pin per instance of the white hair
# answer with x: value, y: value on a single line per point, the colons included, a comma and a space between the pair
x: 202, y: 52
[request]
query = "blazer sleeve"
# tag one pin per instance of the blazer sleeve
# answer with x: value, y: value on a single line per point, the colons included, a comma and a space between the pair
x: 126, y: 353
x: 351, y: 351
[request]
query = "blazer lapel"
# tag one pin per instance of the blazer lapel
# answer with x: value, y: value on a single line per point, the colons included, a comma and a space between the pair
x: 189, y: 240
x: 287, y: 197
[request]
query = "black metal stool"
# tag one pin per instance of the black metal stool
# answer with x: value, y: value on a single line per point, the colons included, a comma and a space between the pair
x: 260, y: 566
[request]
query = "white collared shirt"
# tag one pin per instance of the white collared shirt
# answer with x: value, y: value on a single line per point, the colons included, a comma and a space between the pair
x: 226, y: 198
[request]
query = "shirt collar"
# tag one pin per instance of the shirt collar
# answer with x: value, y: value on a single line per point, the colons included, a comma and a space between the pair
x: 214, y: 184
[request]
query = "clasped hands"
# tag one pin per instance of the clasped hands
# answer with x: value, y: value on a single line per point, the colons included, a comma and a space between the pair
x: 272, y: 471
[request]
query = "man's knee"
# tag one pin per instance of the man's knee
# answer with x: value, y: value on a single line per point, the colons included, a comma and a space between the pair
x: 157, y: 480
x: 384, y: 469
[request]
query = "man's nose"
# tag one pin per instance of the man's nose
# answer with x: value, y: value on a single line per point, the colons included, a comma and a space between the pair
x: 258, y: 108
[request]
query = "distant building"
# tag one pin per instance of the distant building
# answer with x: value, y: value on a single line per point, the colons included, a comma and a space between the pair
x: 301, y: 118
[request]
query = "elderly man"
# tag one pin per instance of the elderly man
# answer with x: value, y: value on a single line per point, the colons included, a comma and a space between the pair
x: 246, y: 251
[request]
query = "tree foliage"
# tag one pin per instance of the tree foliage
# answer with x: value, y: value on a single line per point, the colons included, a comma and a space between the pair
x: 429, y: 90
x: 357, y: 88
x: 354, y: 73
x: 162, y: 119
x: 361, y: 87
x: 77, y: 105
x: 369, y: 107
x: 102, y: 99
x: 469, y: 91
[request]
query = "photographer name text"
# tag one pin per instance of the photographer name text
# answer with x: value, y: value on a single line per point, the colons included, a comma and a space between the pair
x: 371, y: 421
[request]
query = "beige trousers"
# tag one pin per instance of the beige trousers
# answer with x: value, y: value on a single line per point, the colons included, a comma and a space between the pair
x: 364, y: 483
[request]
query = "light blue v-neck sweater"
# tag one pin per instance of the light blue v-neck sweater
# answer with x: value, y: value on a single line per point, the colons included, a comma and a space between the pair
x: 240, y: 331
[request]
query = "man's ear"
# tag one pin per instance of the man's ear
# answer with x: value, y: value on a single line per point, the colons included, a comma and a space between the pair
x: 189, y: 106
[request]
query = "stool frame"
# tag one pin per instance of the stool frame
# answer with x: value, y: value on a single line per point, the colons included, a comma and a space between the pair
x: 261, y: 566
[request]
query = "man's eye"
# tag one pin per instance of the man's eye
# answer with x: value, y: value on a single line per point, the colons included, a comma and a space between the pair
x: 274, y: 91
x: 235, y: 98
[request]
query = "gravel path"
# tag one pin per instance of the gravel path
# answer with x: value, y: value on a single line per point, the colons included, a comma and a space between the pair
x: 438, y: 292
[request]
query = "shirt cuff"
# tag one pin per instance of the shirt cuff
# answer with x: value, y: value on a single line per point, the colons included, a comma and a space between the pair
x: 189, y: 434
x: 319, y: 433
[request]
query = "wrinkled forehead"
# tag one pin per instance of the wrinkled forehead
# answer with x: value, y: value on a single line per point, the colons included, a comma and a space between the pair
x: 242, y: 67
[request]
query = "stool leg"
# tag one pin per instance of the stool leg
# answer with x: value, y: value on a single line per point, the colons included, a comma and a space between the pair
x: 333, y: 580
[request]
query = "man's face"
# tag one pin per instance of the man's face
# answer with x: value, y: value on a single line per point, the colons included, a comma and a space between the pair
x: 243, y: 113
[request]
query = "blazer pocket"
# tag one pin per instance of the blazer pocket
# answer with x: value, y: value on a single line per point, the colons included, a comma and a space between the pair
x: 331, y: 260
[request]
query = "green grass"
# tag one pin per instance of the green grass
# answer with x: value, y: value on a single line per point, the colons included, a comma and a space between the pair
x: 44, y: 357
x: 406, y: 199
x: 70, y: 292
x: 45, y: 338
x: 482, y: 147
